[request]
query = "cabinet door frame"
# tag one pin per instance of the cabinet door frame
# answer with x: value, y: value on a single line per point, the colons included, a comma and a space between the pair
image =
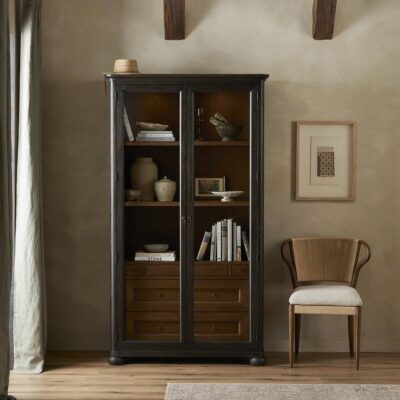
x: 118, y: 343
x: 255, y: 90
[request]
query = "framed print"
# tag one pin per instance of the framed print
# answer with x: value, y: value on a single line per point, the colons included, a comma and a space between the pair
x: 204, y: 186
x: 326, y: 160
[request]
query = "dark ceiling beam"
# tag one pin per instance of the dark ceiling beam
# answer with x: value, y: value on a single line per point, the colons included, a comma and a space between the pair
x: 174, y: 19
x: 323, y: 19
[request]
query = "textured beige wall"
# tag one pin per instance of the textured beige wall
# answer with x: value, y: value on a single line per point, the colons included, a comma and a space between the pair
x: 356, y: 76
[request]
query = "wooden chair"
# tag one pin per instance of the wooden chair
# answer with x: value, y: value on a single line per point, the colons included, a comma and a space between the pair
x: 324, y: 274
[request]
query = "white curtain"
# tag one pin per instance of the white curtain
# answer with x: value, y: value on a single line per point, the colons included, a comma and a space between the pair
x: 23, y: 158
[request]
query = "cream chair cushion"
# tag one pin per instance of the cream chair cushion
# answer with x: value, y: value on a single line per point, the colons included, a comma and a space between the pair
x: 326, y: 295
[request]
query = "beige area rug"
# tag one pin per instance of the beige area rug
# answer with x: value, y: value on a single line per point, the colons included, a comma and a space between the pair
x: 266, y: 391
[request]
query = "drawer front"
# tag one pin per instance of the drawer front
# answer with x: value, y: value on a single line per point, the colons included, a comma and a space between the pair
x: 152, y: 295
x: 152, y: 326
x: 221, y: 327
x: 240, y: 270
x: 221, y: 295
x: 210, y: 270
x: 148, y: 269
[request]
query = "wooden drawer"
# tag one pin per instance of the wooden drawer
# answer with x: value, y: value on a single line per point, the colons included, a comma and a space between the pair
x: 221, y: 295
x: 206, y: 269
x: 221, y: 326
x: 152, y: 294
x: 152, y: 326
x: 152, y: 269
x: 241, y: 269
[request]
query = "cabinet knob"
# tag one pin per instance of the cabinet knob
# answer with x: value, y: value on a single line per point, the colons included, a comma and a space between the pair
x: 160, y: 295
x: 213, y: 295
x: 213, y: 328
x: 159, y: 327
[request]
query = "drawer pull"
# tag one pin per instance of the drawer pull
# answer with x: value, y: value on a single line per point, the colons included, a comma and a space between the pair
x: 213, y: 295
x: 213, y: 328
x: 240, y: 270
x: 160, y: 294
x: 159, y: 327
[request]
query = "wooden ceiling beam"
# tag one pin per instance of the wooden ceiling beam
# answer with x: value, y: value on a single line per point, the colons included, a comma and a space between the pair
x: 323, y: 19
x: 174, y: 19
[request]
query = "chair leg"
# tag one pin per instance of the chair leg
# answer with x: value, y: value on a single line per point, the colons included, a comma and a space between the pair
x: 350, y: 321
x: 358, y: 336
x: 297, y: 327
x: 291, y: 334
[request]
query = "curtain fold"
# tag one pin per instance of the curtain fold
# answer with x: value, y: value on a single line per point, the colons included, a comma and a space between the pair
x: 5, y: 199
x: 29, y: 298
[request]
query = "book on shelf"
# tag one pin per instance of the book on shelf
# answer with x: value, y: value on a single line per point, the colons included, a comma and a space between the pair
x: 238, y: 243
x: 155, y: 134
x: 128, y: 127
x: 146, y: 256
x: 224, y: 240
x: 203, y: 246
x: 246, y: 244
x: 213, y: 246
x: 219, y: 237
x: 156, y: 139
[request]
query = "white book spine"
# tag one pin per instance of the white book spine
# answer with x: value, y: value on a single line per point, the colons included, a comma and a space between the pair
x: 155, y: 258
x: 156, y: 139
x: 238, y: 243
x: 203, y: 246
x: 234, y: 241
x: 229, y: 239
x: 246, y: 244
x: 147, y: 254
x: 224, y: 245
x: 128, y: 126
x: 154, y: 134
x: 213, y: 243
x: 219, y: 241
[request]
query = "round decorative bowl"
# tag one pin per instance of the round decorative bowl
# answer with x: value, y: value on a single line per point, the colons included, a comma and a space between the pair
x: 132, y: 195
x: 228, y: 196
x: 151, y: 126
x: 156, y: 248
x: 228, y: 132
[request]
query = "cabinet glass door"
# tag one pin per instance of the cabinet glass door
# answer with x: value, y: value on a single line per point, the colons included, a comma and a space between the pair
x: 222, y: 130
x: 152, y: 212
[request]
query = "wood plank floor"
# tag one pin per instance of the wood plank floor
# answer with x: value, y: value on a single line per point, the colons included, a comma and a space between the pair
x: 87, y: 376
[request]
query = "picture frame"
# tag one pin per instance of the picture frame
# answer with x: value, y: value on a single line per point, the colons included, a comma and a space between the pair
x: 204, y: 186
x: 326, y: 160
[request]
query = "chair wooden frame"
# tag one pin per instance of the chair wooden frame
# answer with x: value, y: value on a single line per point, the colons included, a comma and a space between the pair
x: 353, y: 313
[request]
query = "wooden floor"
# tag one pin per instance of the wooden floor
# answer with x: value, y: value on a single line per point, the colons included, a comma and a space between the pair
x: 88, y: 376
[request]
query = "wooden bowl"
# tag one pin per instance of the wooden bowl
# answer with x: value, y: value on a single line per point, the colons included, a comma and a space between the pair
x: 123, y: 66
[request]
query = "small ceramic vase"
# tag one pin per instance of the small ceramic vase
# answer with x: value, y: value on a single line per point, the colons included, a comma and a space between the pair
x: 165, y: 189
x: 144, y: 173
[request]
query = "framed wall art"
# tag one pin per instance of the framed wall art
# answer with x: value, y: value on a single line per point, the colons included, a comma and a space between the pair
x: 204, y: 186
x: 326, y: 160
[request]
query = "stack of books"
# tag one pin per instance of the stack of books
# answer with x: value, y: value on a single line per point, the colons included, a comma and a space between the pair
x: 155, y: 136
x: 226, y: 238
x: 145, y: 256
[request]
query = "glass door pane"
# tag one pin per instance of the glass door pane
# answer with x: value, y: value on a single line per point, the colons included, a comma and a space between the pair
x: 152, y: 215
x: 221, y: 220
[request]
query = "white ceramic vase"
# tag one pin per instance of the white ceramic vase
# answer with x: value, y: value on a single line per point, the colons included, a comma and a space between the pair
x: 165, y: 189
x: 144, y: 173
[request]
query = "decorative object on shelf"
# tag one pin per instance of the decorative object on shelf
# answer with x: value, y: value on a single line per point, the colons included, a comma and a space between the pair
x: 165, y: 189
x: 326, y: 160
x: 229, y: 195
x: 151, y: 126
x: 226, y: 242
x: 156, y: 248
x: 144, y: 173
x: 128, y: 127
x: 200, y: 120
x: 125, y: 66
x: 225, y: 130
x: 205, y: 186
x: 155, y: 256
x: 132, y: 194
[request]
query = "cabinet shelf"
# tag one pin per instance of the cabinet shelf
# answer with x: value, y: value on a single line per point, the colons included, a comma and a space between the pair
x: 218, y: 203
x: 151, y: 203
x: 143, y: 144
x: 220, y: 143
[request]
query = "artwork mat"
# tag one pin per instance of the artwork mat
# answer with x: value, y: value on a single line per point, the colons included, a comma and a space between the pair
x: 345, y: 191
x: 221, y: 186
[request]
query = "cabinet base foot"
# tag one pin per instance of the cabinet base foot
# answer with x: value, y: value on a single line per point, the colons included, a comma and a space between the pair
x: 116, y: 360
x: 257, y: 361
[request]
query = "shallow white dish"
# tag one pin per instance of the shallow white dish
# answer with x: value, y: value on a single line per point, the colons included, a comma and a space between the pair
x: 229, y: 195
x: 156, y: 248
x: 151, y: 126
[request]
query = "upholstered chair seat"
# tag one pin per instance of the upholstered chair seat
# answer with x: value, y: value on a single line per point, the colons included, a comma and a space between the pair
x: 326, y: 295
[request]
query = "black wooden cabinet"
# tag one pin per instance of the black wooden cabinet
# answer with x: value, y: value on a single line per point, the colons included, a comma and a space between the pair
x: 188, y: 308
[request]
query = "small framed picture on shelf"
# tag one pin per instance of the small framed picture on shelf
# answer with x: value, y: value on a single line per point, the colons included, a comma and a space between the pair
x: 204, y: 186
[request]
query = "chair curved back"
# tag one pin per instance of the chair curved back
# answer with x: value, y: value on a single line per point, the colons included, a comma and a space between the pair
x: 318, y: 260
